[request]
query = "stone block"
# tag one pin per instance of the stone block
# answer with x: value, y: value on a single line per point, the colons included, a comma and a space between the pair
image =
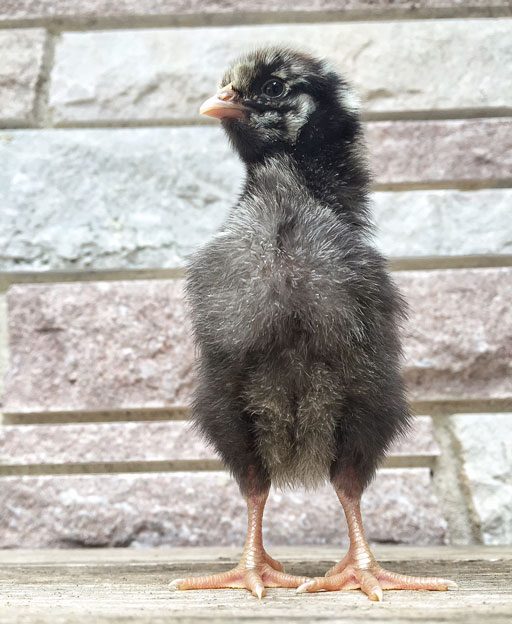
x: 485, y: 443
x: 91, y: 12
x: 458, y: 338
x: 142, y: 441
x: 112, y: 198
x: 444, y: 222
x: 21, y: 51
x: 126, y: 345
x: 205, y: 509
x: 441, y: 152
x: 120, y: 344
x: 159, y: 74
x: 4, y: 355
x: 139, y: 198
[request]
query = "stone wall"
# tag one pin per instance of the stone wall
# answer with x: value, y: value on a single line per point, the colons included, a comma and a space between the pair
x: 108, y: 178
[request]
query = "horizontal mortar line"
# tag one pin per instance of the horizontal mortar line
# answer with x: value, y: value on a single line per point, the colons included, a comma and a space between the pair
x: 179, y: 465
x: 459, y: 114
x: 471, y: 184
x: 108, y: 467
x: 445, y: 114
x: 448, y: 407
x: 246, y: 18
x: 456, y: 114
x: 181, y: 412
x: 427, y: 263
x: 8, y: 278
x: 171, y: 413
x: 164, y: 122
x: 25, y: 124
x: 413, y: 263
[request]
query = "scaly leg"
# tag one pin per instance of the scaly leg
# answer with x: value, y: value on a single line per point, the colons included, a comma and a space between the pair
x: 359, y: 569
x: 256, y: 570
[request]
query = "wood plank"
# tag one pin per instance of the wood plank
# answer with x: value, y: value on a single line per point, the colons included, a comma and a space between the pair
x: 148, y: 556
x: 128, y: 586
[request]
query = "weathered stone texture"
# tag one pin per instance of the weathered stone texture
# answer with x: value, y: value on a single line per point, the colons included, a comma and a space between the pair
x: 126, y: 345
x: 156, y: 75
x: 204, y: 509
x: 459, y: 334
x: 96, y: 9
x: 441, y: 151
x: 112, y: 199
x: 138, y: 198
x: 444, y: 223
x: 485, y: 442
x: 3, y: 344
x: 146, y: 441
x: 117, y: 343
x: 21, y: 54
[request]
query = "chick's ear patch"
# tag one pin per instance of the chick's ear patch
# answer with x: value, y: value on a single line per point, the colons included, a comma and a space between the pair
x: 297, y: 118
x: 349, y: 99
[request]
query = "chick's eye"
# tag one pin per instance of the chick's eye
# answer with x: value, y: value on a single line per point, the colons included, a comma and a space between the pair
x: 273, y: 88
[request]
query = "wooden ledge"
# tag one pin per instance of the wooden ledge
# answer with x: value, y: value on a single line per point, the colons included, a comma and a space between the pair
x: 125, y: 585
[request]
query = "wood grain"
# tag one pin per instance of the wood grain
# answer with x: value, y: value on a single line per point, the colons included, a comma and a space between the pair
x: 131, y: 586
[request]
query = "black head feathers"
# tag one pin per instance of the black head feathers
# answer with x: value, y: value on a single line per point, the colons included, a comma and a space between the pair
x: 284, y: 100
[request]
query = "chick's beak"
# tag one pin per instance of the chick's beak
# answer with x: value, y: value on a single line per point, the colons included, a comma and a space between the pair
x: 224, y: 105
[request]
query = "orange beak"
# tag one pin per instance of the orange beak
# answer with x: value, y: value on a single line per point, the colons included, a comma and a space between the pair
x: 224, y: 105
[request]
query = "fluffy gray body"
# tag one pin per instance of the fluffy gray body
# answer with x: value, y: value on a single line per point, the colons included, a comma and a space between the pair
x: 280, y: 299
x: 295, y: 318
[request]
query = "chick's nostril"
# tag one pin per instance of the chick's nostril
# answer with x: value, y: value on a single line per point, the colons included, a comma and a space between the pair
x: 227, y: 93
x: 226, y: 96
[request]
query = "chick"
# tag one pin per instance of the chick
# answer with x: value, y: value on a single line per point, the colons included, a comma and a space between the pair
x: 295, y: 316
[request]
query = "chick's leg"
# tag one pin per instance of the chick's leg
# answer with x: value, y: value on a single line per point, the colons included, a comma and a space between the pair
x: 256, y: 570
x: 359, y: 569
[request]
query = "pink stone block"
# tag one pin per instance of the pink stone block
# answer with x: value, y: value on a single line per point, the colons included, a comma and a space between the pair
x: 186, y: 509
x: 458, y: 340
x: 96, y: 9
x: 127, y: 345
x: 440, y: 151
x: 141, y: 441
x: 96, y: 346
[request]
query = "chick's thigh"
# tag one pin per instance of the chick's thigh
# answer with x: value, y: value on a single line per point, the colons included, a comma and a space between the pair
x: 219, y: 416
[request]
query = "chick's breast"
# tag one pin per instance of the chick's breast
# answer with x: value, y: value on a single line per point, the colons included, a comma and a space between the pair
x: 282, y: 259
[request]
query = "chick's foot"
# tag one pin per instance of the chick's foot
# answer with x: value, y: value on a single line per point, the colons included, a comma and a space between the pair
x: 372, y: 579
x: 255, y: 574
x: 360, y: 570
x: 256, y: 570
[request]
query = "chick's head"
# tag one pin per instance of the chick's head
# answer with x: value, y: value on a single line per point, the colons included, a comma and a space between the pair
x: 277, y: 99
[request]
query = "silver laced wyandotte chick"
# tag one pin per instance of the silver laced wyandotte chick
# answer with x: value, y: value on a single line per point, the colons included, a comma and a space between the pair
x: 295, y: 316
